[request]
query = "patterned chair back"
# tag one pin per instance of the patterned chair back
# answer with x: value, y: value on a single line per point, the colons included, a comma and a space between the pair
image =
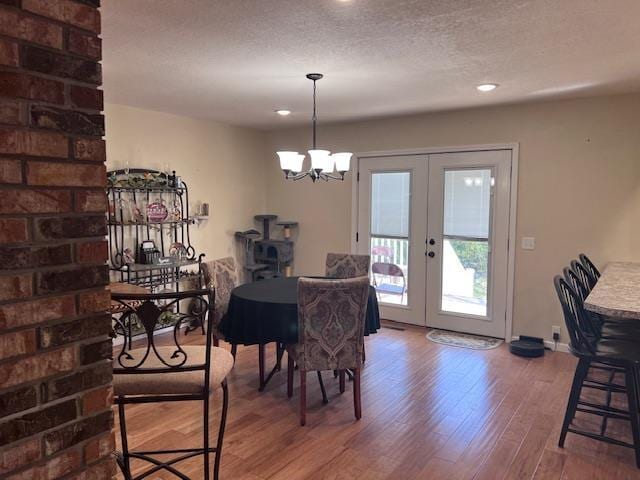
x: 331, y: 315
x: 346, y: 265
x: 221, y: 276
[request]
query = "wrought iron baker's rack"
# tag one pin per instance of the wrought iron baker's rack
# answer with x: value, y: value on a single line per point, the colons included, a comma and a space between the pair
x: 141, y: 187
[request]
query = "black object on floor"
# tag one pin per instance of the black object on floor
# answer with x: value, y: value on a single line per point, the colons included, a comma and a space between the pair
x: 530, y: 347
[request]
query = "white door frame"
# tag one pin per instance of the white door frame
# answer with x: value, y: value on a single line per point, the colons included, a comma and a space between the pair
x: 515, y: 150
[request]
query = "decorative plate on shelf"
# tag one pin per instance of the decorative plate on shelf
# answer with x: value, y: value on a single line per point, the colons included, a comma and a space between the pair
x: 157, y: 212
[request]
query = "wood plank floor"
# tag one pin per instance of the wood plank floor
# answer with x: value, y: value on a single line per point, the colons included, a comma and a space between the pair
x: 429, y: 412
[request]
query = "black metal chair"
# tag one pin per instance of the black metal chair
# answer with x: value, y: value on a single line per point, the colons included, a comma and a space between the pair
x: 148, y: 372
x: 615, y: 357
x: 589, y: 265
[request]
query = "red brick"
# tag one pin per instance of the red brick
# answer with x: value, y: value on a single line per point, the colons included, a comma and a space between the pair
x: 14, y: 287
x: 19, y: 455
x: 83, y: 44
x: 21, y: 256
x: 92, y: 252
x: 94, y: 352
x: 66, y: 175
x: 18, y: 400
x: 35, y: 311
x: 84, y: 277
x: 91, y: 201
x: 69, y: 332
x: 25, y: 27
x: 73, y: 434
x: 35, y: 201
x: 69, y: 121
x: 89, y: 149
x: 100, y: 447
x: 53, y: 469
x: 66, y: 66
x: 66, y: 11
x: 88, y: 98
x: 13, y: 230
x: 97, y: 400
x: 41, y: 144
x: 14, y: 84
x: 39, y: 366
x: 10, y: 171
x: 62, y: 228
x: 104, y: 470
x: 8, y: 53
x: 80, y: 380
x: 10, y: 112
x: 17, y: 343
x: 94, y: 302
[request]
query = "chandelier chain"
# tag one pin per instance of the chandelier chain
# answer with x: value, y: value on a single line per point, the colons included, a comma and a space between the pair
x: 315, y: 117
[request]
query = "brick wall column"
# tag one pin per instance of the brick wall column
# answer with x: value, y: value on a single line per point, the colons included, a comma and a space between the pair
x: 55, y: 372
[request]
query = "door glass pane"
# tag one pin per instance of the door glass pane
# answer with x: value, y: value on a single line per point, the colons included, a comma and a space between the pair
x: 390, y: 211
x: 467, y: 200
x: 390, y: 269
x: 464, y: 276
x: 390, y: 197
x: 465, y: 249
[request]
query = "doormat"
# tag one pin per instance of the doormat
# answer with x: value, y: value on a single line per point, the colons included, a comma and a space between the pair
x: 463, y: 340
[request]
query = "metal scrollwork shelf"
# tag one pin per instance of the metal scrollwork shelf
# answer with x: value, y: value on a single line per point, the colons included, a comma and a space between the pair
x: 150, y: 208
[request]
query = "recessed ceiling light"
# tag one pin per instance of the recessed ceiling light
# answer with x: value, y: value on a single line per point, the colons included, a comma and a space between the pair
x: 283, y: 112
x: 487, y: 87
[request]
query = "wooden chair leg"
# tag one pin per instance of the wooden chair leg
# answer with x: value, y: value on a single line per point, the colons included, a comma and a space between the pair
x: 576, y: 388
x: 290, y: 369
x: 261, y: 365
x: 216, y: 341
x: 357, y: 402
x: 343, y: 376
x: 303, y: 397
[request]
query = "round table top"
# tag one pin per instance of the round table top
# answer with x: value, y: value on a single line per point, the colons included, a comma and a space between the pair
x: 129, y: 288
x: 267, y: 311
x: 274, y: 290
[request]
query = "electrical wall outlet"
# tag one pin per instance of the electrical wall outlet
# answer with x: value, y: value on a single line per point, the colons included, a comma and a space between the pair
x: 555, y: 332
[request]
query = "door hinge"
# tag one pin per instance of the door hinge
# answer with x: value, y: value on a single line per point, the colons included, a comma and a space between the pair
x: 357, y: 236
x: 358, y: 177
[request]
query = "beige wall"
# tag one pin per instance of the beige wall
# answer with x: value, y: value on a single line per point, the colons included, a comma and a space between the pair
x: 222, y: 165
x: 578, y: 187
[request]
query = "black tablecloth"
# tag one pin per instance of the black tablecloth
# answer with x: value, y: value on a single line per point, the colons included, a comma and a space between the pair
x: 267, y: 311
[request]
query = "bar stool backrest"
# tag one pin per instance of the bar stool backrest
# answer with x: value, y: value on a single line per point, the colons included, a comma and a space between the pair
x: 587, y: 279
x: 573, y: 317
x: 591, y: 324
x: 175, y: 310
x: 589, y: 265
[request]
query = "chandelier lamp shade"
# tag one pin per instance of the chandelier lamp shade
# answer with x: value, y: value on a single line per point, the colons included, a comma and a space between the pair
x: 324, y: 165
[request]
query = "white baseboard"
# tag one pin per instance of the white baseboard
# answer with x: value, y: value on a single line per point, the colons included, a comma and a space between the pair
x: 553, y: 346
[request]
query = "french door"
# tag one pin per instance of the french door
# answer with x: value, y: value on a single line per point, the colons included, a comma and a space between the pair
x: 437, y: 229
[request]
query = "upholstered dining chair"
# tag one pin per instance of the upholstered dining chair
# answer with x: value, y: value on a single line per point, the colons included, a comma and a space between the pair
x: 162, y: 370
x: 220, y: 275
x: 347, y: 265
x: 331, y: 315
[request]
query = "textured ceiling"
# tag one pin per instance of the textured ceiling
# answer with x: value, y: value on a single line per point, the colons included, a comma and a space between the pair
x: 238, y: 60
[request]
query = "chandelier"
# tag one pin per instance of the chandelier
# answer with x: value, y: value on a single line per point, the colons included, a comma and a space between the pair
x: 323, y: 163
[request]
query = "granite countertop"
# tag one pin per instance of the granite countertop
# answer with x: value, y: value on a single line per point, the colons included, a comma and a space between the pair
x: 617, y: 293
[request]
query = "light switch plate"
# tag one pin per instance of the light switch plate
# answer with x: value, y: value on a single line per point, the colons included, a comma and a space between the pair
x: 528, y: 243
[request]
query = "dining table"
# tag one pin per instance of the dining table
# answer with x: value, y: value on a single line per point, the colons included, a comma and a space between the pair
x: 266, y: 311
x: 617, y: 292
x: 126, y: 288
